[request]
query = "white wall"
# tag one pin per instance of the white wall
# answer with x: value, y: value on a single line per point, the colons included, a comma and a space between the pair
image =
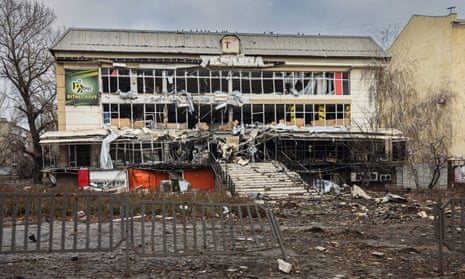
x: 83, y: 117
x: 362, y: 109
x: 424, y: 177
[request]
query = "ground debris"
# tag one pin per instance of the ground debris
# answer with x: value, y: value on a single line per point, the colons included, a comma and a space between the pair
x: 393, y: 242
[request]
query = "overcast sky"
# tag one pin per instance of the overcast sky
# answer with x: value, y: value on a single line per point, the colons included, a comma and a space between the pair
x: 311, y: 17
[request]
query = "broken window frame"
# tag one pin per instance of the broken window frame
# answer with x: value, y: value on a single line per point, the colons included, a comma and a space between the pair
x: 208, y: 81
x: 79, y: 155
x: 192, y: 80
x: 155, y: 116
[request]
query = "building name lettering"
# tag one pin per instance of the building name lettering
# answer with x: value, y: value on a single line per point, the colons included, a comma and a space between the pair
x: 232, y: 60
x: 81, y: 97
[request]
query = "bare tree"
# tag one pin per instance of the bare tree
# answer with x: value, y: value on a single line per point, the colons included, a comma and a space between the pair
x: 26, y: 63
x: 422, y: 118
x: 386, y: 36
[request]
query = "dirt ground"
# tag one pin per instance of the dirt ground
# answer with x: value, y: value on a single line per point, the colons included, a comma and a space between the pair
x: 324, y: 237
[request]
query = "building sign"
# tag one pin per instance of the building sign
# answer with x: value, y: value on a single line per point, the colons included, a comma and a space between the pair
x: 231, y: 60
x: 230, y: 44
x: 81, y: 87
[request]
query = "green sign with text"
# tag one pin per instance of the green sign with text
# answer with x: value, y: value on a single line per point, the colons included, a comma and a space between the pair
x: 81, y: 87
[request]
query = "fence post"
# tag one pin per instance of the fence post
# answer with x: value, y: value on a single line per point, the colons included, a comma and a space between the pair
x: 276, y: 231
x: 126, y: 222
x: 440, y: 232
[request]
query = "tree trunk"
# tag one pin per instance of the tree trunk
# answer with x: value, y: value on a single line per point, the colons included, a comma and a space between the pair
x: 37, y: 174
x: 435, y: 178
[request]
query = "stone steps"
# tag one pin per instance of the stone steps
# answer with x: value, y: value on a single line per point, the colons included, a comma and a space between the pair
x: 266, y: 178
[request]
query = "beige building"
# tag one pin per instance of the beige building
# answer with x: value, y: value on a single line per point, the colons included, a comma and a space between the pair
x: 432, y: 48
x: 13, y: 139
x: 167, y: 97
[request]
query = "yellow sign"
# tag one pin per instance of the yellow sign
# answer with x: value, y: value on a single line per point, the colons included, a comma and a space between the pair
x: 321, y: 112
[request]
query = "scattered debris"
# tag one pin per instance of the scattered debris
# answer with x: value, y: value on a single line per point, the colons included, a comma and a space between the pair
x: 422, y: 214
x: 358, y: 192
x: 320, y: 248
x: 258, y: 196
x: 363, y: 215
x: 226, y: 210
x: 284, y: 266
x: 242, y: 162
x: 394, y: 198
x: 378, y: 254
x: 315, y: 229
x: 32, y: 237
x: 232, y: 269
x: 326, y: 186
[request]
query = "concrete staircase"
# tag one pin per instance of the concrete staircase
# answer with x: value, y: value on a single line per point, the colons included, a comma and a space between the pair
x: 270, y: 179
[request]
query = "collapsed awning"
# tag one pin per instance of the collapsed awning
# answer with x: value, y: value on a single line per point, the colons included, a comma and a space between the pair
x: 78, y: 136
x: 72, y: 140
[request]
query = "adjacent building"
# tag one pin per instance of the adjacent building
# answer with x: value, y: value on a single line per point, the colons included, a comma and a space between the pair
x: 14, y: 141
x: 432, y: 48
x: 182, y: 101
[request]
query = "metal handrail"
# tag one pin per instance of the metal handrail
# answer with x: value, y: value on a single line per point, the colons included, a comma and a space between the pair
x: 222, y: 174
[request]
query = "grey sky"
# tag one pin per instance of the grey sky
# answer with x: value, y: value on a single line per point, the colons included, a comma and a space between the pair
x: 312, y: 17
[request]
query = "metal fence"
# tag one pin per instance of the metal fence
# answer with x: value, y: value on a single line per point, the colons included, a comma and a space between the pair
x: 35, y: 223
x: 450, y: 226
x: 99, y: 222
x: 160, y: 228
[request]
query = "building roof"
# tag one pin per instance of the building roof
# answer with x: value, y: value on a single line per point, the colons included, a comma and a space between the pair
x: 181, y: 42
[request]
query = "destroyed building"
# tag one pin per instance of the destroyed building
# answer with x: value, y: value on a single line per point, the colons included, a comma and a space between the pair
x: 160, y: 103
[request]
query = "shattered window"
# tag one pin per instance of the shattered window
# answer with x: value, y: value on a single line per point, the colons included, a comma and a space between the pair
x: 257, y: 114
x: 270, y: 117
x: 246, y: 82
x: 219, y: 81
x: 124, y: 80
x: 345, y: 83
x: 280, y: 113
x: 330, y: 112
x: 278, y: 82
x: 299, y: 112
x: 180, y: 81
x: 116, y: 79
x: 309, y: 114
x: 298, y: 81
x: 145, y: 81
x: 268, y: 82
x: 110, y: 81
x: 208, y: 81
x: 256, y: 83
x: 201, y: 81
x: 205, y: 81
x: 236, y: 81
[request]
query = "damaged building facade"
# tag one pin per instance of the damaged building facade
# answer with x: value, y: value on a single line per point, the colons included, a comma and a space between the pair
x: 178, y: 103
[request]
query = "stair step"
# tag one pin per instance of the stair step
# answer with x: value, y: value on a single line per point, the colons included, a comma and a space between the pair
x: 266, y: 178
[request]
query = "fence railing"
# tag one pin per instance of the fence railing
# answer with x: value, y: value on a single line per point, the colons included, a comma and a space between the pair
x: 164, y: 229
x: 32, y: 223
x: 99, y: 222
x: 450, y: 226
